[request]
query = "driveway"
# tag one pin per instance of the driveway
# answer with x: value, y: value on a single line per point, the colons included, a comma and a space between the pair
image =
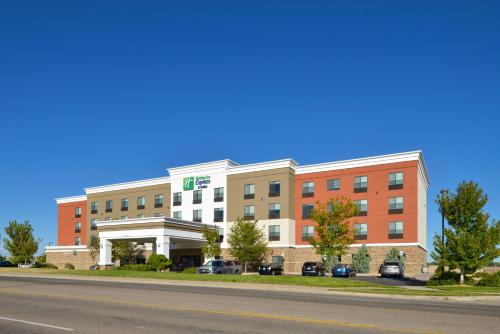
x: 407, y: 281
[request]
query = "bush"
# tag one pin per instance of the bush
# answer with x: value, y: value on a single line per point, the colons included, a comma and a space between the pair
x: 190, y: 270
x: 490, y: 280
x: 394, y: 256
x: 361, y: 260
x: 448, y: 278
x: 159, y: 262
x: 69, y: 266
x: 136, y: 267
x: 45, y: 265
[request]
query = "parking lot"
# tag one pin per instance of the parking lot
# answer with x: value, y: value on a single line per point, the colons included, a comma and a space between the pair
x: 407, y: 281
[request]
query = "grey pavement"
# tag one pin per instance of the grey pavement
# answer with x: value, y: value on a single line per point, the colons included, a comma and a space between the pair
x: 52, y: 305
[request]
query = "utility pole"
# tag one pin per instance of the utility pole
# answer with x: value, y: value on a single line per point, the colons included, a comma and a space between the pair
x: 444, y: 192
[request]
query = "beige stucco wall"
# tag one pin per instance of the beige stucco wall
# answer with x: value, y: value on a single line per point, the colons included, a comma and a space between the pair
x: 261, y: 179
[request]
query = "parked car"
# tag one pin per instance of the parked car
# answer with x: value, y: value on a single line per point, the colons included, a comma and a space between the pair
x: 220, y: 267
x: 271, y: 269
x: 94, y: 267
x: 313, y: 269
x: 6, y: 264
x: 343, y: 270
x: 394, y: 269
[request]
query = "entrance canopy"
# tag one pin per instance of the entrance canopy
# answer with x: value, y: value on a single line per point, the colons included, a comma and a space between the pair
x: 164, y: 233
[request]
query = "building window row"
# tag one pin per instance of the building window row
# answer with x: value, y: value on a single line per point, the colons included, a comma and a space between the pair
x: 395, y: 206
x: 274, y: 190
x: 124, y: 204
x: 360, y: 231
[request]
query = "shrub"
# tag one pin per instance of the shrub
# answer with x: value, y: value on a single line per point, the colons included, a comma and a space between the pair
x: 190, y: 270
x: 44, y: 265
x: 448, y: 278
x: 136, y: 267
x: 68, y: 265
x: 394, y: 256
x: 159, y: 262
x: 490, y: 280
x: 361, y: 260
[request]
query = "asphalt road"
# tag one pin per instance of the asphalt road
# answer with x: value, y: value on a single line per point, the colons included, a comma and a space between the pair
x: 51, y: 305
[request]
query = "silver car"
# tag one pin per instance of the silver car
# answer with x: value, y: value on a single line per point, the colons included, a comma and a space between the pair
x: 391, y: 269
x: 220, y: 267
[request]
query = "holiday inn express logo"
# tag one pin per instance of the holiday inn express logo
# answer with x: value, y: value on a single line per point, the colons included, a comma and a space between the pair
x: 188, y: 183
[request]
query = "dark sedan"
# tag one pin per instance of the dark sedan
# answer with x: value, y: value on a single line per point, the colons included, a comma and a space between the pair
x: 271, y: 269
x: 343, y: 270
x: 313, y: 269
x: 6, y: 264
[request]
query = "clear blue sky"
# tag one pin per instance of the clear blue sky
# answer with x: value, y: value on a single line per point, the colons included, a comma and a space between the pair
x: 98, y: 92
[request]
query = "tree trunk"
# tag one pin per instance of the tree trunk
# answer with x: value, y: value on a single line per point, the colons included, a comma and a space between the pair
x: 462, y: 276
x: 245, y: 267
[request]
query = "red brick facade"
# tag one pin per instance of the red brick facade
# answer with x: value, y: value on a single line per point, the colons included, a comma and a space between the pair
x: 66, y: 223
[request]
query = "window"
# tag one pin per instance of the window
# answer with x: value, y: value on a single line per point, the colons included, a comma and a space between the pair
x: 78, y: 212
x: 362, y: 207
x: 274, y: 188
x: 307, y: 210
x: 78, y: 227
x: 108, y: 219
x: 124, y: 204
x: 177, y: 214
x: 124, y: 217
x: 395, y: 230
x: 274, y: 210
x: 109, y: 206
x: 197, y: 197
x: 360, y: 184
x: 395, y: 205
x: 360, y: 231
x: 274, y: 233
x: 159, y: 214
x: 177, y: 199
x: 329, y: 207
x: 94, y: 207
x: 396, y: 180
x: 249, y: 212
x: 141, y: 215
x: 308, y: 189
x: 249, y: 191
x: 141, y: 203
x: 159, y: 201
x: 220, y: 231
x: 197, y: 215
x: 218, y: 215
x: 333, y: 184
x: 93, y: 224
x: 78, y: 241
x: 218, y: 194
x: 307, y: 232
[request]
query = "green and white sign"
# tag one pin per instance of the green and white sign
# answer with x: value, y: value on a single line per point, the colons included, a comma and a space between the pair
x: 188, y: 183
x: 201, y: 182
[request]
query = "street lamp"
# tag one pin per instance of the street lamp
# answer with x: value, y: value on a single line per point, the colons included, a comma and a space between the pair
x: 444, y: 192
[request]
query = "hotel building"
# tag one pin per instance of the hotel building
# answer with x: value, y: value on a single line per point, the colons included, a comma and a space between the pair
x: 167, y: 214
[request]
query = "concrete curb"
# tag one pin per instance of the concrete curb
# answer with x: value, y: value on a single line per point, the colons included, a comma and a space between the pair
x: 258, y: 287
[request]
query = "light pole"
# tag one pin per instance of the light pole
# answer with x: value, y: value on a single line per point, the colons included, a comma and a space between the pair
x: 444, y: 192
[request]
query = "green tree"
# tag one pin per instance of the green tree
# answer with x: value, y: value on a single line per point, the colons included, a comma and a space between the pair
x: 395, y: 255
x: 94, y: 247
x: 470, y: 242
x: 2, y: 258
x: 361, y: 260
x: 126, y: 251
x: 212, y: 248
x: 332, y: 232
x: 247, y: 242
x: 158, y: 262
x: 21, y: 243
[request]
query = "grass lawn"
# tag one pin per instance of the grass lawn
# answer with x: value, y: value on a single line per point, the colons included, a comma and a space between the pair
x: 288, y: 280
x: 454, y: 290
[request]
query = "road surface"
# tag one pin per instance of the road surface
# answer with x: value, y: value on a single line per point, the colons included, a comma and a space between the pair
x: 51, y: 305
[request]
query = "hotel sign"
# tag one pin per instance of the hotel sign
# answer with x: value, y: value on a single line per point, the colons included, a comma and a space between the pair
x: 200, y: 182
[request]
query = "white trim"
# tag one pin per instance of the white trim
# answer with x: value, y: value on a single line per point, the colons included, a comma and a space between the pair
x: 202, y: 167
x: 71, y: 199
x: 64, y: 249
x: 146, y: 220
x: 260, y: 166
x: 128, y: 185
x: 360, y: 162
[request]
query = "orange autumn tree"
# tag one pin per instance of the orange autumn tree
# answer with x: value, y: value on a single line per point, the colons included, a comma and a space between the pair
x: 333, y: 234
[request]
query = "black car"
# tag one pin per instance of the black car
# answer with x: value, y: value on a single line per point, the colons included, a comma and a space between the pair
x: 6, y: 264
x: 270, y: 269
x: 313, y: 269
x: 343, y: 270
